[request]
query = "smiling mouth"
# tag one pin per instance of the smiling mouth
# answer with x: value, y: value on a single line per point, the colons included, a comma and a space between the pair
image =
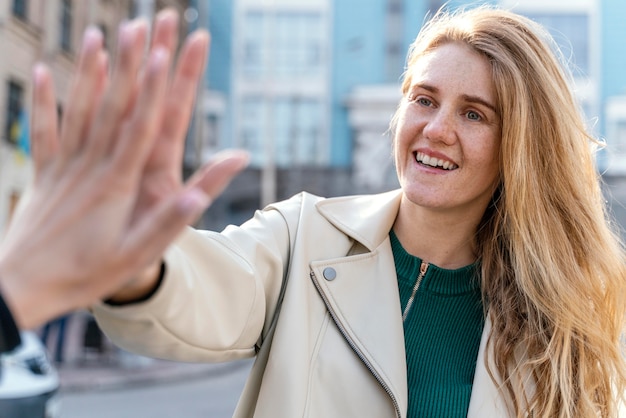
x: 424, y: 159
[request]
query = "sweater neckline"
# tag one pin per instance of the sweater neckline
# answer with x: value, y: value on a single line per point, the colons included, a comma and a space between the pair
x: 438, y: 280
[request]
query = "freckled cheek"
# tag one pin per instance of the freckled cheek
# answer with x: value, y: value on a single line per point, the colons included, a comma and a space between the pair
x: 402, y: 138
x: 482, y: 154
x: 491, y: 163
x: 407, y: 130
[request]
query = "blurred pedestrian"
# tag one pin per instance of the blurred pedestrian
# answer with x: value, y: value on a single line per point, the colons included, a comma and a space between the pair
x: 54, y: 331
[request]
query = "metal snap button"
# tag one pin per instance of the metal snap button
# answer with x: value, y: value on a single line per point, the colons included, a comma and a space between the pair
x: 329, y: 273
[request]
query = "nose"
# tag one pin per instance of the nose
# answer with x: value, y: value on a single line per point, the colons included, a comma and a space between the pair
x: 440, y: 127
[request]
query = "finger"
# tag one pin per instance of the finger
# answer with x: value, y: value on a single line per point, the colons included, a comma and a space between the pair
x: 45, y: 140
x: 148, y: 239
x: 80, y: 102
x: 213, y: 178
x: 118, y: 97
x: 180, y: 98
x: 100, y: 85
x: 102, y: 82
x: 165, y: 33
x: 141, y: 131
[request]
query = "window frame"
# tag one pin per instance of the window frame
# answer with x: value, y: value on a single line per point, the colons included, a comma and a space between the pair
x: 15, y: 103
x: 19, y: 8
x: 66, y: 22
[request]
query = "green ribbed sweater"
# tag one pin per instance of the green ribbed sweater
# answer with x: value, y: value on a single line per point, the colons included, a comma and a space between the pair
x: 442, y: 333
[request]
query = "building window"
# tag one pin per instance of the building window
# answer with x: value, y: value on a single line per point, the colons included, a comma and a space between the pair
x: 615, y: 115
x: 15, y: 99
x: 292, y: 124
x: 66, y: 25
x: 19, y: 8
x: 571, y: 33
x: 394, y: 6
x: 132, y: 9
x: 434, y: 5
x: 285, y: 44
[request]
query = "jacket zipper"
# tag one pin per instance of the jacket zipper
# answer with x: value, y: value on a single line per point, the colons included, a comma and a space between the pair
x: 355, y: 348
x: 418, y: 282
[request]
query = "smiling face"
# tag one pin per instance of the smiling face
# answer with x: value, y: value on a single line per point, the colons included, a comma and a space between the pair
x: 448, y: 132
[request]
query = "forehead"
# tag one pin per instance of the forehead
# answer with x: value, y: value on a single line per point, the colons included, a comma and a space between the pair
x: 454, y: 67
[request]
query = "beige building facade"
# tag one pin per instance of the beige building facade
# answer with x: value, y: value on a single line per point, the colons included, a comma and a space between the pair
x: 48, y: 31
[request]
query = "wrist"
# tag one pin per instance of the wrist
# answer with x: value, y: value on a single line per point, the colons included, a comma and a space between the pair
x: 17, y: 301
x: 140, y: 289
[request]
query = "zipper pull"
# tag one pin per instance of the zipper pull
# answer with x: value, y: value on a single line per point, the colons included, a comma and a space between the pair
x: 418, y: 281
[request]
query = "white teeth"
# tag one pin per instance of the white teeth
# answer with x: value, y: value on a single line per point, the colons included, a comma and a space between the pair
x: 434, y: 162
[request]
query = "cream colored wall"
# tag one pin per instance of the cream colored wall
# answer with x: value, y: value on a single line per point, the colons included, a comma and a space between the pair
x: 25, y: 42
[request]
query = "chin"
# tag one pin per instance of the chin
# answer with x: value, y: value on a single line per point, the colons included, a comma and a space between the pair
x: 424, y: 198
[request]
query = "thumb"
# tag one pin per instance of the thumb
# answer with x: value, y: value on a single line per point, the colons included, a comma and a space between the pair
x: 213, y: 178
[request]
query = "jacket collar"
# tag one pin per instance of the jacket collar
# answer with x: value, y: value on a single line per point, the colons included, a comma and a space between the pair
x: 367, y: 218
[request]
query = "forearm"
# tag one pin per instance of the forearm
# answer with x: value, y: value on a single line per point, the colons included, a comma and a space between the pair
x: 216, y: 299
x: 141, y: 288
x: 208, y: 307
x: 30, y: 298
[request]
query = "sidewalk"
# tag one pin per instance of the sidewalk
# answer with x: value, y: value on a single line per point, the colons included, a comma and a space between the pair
x: 86, y: 369
x: 102, y: 376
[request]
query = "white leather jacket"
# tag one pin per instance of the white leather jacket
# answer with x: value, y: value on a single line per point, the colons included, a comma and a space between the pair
x: 308, y: 286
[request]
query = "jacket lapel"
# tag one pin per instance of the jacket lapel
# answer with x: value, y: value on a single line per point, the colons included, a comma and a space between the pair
x: 366, y: 219
x: 361, y: 290
x: 486, y: 400
x: 364, y: 302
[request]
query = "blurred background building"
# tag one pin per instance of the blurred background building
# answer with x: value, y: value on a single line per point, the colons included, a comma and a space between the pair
x: 48, y: 31
x: 307, y: 86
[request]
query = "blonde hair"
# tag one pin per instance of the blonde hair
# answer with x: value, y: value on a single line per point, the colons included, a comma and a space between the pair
x: 553, y: 271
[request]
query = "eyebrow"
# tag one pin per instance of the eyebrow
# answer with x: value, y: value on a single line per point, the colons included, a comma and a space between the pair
x: 466, y: 97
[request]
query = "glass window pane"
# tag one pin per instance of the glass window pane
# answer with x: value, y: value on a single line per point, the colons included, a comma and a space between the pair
x: 571, y: 33
x: 253, y: 44
x: 253, y: 128
x: 15, y: 96
x: 19, y: 8
x: 283, y: 131
x: 287, y: 43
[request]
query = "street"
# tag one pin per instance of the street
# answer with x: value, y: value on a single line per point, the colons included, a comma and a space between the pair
x: 206, y: 397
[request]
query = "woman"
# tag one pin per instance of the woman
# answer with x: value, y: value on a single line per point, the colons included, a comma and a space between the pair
x: 490, y: 285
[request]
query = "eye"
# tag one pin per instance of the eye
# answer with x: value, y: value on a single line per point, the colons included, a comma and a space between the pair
x: 472, y: 115
x: 421, y: 100
x: 424, y: 102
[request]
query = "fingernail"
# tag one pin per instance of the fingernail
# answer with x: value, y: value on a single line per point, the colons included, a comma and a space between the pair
x: 39, y: 73
x: 128, y: 30
x: 92, y: 37
x: 125, y: 33
x: 158, y: 58
x: 166, y: 14
x: 237, y: 158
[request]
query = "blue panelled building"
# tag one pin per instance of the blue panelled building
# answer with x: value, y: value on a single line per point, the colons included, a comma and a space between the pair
x: 309, y: 86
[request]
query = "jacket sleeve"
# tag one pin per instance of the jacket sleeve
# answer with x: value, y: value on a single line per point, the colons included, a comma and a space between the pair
x: 9, y: 334
x: 218, y: 296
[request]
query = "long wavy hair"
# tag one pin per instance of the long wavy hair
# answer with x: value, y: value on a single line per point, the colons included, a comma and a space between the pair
x: 553, y: 267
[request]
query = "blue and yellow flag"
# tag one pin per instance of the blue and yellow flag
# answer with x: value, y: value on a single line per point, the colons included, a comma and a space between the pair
x: 20, y: 135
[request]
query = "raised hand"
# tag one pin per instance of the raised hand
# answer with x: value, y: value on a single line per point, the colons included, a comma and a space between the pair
x: 106, y: 199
